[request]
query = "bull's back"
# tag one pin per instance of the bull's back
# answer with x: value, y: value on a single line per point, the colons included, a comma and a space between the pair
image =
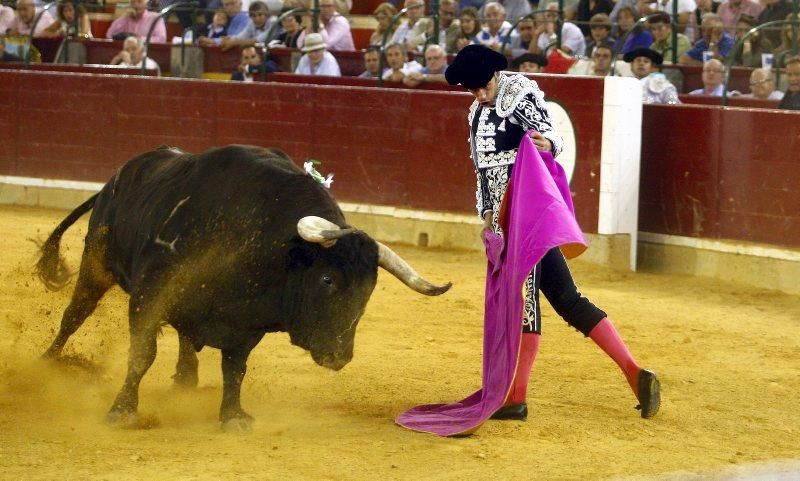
x: 200, y: 203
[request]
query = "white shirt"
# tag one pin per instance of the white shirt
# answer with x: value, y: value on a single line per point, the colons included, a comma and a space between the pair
x: 327, y: 66
x: 408, y: 67
x: 571, y: 36
x: 684, y: 6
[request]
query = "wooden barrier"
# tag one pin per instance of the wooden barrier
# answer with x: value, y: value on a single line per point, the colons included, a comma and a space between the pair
x: 707, y: 171
x: 693, y: 77
x: 735, y: 101
x: 96, y: 69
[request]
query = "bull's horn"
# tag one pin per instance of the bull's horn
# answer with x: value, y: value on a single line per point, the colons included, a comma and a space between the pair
x: 399, y: 268
x: 320, y: 231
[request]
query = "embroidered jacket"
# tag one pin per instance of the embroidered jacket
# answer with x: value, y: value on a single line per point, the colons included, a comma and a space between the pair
x: 495, y: 133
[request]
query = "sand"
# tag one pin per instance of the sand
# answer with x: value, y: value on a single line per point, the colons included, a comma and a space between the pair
x: 728, y: 357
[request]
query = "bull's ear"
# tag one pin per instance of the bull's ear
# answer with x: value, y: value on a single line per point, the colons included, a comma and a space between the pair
x: 300, y: 257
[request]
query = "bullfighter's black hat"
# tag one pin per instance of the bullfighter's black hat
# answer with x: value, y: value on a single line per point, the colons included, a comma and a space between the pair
x: 654, y: 56
x: 474, y: 66
x: 536, y: 58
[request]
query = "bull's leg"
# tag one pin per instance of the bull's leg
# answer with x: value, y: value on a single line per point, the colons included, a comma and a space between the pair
x: 143, y: 331
x: 234, y: 366
x: 94, y: 279
x: 186, y: 369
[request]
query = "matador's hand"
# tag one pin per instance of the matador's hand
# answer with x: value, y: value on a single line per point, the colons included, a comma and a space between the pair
x: 541, y: 143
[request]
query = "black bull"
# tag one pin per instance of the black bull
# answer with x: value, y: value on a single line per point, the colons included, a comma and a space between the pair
x: 225, y: 246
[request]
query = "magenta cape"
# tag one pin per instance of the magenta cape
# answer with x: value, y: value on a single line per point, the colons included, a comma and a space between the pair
x: 536, y: 216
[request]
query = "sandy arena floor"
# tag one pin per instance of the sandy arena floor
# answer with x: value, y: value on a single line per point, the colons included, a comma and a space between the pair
x: 728, y: 357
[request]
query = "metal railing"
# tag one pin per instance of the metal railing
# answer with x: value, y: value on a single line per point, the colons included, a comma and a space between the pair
x: 636, y: 24
x: 271, y: 33
x: 732, y: 55
x: 389, y: 30
x: 36, y: 19
x: 191, y: 4
x: 532, y: 16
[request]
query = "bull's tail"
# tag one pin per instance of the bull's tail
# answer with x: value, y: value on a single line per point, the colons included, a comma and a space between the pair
x: 51, y: 268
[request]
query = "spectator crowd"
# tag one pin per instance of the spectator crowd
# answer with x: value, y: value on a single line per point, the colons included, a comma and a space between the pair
x: 633, y: 38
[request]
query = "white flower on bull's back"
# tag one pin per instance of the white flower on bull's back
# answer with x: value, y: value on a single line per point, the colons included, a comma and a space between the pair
x: 308, y: 167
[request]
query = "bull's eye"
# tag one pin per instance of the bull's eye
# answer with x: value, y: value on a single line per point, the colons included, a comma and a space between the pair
x: 327, y: 280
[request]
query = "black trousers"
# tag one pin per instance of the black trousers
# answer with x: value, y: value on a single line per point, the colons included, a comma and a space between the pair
x: 552, y: 276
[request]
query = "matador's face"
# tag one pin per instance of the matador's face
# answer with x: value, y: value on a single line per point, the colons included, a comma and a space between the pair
x: 486, y: 95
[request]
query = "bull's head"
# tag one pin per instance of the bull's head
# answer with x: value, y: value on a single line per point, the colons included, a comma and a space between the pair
x: 340, y: 272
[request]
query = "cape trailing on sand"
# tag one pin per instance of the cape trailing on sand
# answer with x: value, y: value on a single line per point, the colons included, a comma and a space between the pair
x: 536, y: 215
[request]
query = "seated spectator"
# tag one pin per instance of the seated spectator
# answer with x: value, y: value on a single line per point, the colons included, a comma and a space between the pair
x: 572, y: 41
x: 774, y: 10
x: 218, y: 28
x: 317, y: 60
x: 259, y: 26
x: 521, y: 43
x: 762, y: 85
x: 342, y: 6
x: 465, y: 4
x: 133, y: 54
x: 334, y: 29
x: 685, y: 9
x: 252, y: 65
x: 656, y: 89
x: 529, y: 63
x: 449, y: 27
x: 292, y: 29
x: 433, y: 71
x: 496, y: 31
x: 729, y: 12
x: 5, y: 56
x: 638, y: 38
x: 23, y: 21
x: 601, y: 59
x: 715, y: 39
x: 411, y: 33
x: 661, y: 28
x: 7, y: 16
x: 514, y: 9
x: 398, y: 68
x: 137, y: 22
x: 470, y: 25
x: 713, y: 79
x: 600, y: 32
x: 383, y: 13
x: 696, y: 18
x: 372, y: 62
x: 791, y: 99
x: 785, y: 47
x: 237, y: 22
x: 588, y: 10
x: 64, y: 25
x: 752, y: 48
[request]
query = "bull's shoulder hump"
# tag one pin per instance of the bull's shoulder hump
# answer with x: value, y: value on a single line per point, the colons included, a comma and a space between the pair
x: 259, y: 157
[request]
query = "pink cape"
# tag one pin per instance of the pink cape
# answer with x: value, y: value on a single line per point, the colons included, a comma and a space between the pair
x: 536, y: 216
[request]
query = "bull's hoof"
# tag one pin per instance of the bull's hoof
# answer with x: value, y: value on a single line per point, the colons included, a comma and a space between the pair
x: 185, y: 379
x: 131, y: 420
x: 238, y: 425
x: 51, y: 354
x: 237, y: 421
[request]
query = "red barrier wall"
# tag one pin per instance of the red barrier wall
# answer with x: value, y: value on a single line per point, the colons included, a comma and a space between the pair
x: 732, y: 173
x: 386, y: 146
x: 724, y: 173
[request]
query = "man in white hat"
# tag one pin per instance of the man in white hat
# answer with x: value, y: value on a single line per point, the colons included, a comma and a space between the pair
x: 317, y: 60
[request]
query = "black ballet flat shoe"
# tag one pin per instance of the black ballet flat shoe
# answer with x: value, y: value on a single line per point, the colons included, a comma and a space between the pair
x: 649, y: 393
x: 514, y: 412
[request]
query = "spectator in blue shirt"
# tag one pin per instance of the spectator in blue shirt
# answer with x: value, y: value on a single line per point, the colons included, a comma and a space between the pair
x: 715, y: 40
